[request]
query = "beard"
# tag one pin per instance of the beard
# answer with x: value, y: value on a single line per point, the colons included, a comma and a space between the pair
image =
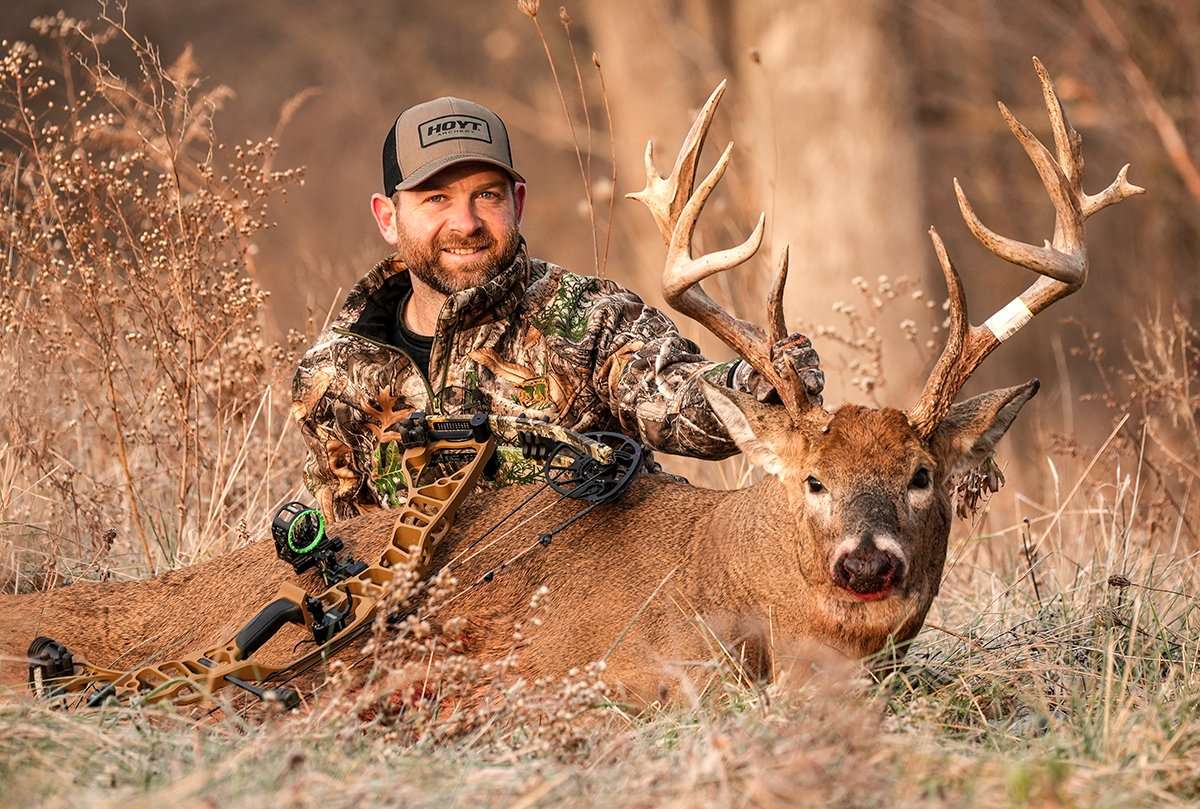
x: 425, y: 260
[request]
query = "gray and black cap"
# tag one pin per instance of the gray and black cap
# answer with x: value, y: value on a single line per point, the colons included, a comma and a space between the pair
x: 429, y: 137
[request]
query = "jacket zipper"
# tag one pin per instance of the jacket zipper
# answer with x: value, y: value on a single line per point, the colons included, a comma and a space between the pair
x: 446, y: 361
x: 434, y: 401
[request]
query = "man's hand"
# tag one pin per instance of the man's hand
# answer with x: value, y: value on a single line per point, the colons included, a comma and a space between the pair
x: 796, y: 351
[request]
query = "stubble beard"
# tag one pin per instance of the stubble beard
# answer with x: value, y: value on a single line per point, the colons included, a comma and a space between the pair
x: 425, y: 260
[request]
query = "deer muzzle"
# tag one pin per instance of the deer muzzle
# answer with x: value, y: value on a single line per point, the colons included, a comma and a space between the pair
x: 869, y: 568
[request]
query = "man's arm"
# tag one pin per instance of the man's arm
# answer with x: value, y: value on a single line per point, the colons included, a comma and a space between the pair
x: 650, y: 377
x: 335, y: 473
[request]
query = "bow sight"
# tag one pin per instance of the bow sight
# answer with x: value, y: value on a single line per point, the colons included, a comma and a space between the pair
x: 593, y: 468
x: 301, y: 541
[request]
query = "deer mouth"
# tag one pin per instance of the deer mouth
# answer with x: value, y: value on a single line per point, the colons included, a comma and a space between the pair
x: 875, y: 595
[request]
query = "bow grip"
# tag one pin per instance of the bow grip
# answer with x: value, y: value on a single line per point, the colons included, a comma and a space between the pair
x: 262, y: 627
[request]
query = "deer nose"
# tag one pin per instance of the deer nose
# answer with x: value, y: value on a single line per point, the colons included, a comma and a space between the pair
x: 868, y: 570
x: 867, y: 565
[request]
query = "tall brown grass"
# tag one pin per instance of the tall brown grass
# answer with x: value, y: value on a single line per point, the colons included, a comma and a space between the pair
x: 144, y: 412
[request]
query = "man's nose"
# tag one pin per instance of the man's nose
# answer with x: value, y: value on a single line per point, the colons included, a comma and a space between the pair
x: 463, y: 218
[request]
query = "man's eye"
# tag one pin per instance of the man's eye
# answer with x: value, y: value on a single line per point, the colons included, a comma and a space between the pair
x: 489, y: 195
x: 435, y: 198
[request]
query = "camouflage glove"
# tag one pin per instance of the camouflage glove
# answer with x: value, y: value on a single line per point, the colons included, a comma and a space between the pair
x: 795, y: 350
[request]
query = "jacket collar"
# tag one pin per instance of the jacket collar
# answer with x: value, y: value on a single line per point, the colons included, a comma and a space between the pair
x: 370, y: 307
x: 495, y: 300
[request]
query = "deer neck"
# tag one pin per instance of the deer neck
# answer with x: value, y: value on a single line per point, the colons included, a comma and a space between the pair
x: 751, y: 545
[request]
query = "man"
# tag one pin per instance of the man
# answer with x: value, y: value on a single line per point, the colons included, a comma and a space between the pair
x: 460, y: 319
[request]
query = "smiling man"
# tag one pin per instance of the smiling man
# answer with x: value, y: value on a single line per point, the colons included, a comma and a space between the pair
x: 460, y: 319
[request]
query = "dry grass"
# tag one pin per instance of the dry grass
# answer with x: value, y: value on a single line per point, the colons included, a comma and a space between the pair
x: 1086, y: 697
x: 143, y: 399
x: 1060, y: 670
x: 1059, y: 666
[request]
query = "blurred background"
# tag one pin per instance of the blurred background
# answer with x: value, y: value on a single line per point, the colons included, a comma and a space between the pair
x: 850, y: 120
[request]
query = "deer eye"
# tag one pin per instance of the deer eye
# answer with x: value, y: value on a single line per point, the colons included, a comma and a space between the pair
x: 920, y: 479
x: 815, y: 486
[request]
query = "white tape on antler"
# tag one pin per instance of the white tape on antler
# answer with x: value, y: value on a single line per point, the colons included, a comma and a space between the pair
x: 1009, y: 320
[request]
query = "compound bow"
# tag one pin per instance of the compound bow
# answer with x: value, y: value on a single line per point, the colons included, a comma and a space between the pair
x: 583, y: 467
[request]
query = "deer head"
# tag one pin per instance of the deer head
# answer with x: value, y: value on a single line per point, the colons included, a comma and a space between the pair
x: 869, y: 489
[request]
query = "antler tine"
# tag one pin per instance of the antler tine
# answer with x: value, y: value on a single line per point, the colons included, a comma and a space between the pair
x: 666, y: 196
x: 1119, y: 189
x: 1061, y: 263
x: 776, y: 326
x: 1067, y: 142
x: 683, y: 272
x: 939, y: 390
x: 676, y: 209
x: 1069, y: 268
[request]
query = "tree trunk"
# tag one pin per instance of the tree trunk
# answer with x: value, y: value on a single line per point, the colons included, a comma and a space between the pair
x: 820, y: 110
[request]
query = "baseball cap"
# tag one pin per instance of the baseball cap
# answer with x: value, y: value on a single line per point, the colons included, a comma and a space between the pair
x: 431, y: 136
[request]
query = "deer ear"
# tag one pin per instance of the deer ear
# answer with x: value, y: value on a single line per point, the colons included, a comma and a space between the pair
x: 972, y: 428
x: 748, y: 422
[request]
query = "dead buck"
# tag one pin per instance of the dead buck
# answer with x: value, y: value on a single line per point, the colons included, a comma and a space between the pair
x: 840, y: 544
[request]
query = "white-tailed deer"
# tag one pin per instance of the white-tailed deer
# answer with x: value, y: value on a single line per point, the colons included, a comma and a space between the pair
x: 841, y: 543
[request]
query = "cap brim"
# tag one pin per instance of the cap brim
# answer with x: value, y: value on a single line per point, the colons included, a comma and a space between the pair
x: 434, y: 166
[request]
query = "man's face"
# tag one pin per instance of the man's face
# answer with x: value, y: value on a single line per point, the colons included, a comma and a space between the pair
x: 458, y: 229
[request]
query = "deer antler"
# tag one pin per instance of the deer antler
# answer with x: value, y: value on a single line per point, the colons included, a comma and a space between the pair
x: 1061, y: 264
x: 675, y: 209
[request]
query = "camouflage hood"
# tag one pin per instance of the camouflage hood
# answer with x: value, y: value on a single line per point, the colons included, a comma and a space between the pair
x: 536, y: 340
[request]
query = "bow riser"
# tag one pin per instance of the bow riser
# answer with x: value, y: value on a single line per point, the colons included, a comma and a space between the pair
x: 421, y: 525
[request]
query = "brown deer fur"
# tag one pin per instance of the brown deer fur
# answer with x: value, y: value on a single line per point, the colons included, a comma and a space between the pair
x: 748, y: 569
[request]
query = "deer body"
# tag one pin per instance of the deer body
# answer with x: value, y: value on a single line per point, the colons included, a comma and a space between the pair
x: 601, y: 572
x: 660, y: 582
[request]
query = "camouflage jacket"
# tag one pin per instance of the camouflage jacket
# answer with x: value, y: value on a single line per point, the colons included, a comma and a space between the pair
x: 578, y: 351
